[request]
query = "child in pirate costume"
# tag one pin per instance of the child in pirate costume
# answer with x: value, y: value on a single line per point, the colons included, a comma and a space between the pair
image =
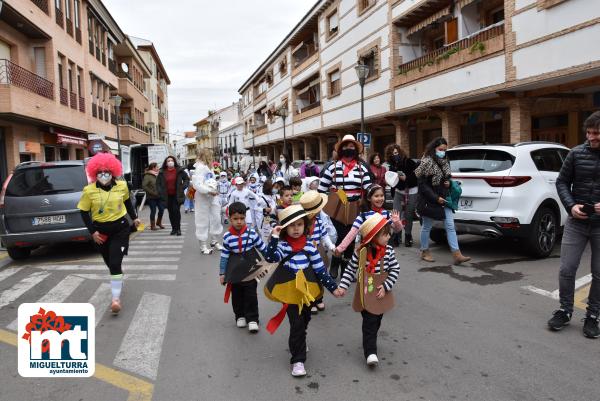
x: 313, y: 203
x: 375, y: 270
x: 297, y: 281
x: 240, y: 240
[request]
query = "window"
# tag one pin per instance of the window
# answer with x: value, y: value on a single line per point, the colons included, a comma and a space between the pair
x: 269, y: 78
x: 60, y: 76
x: 496, y: 15
x: 335, y: 82
x: 36, y: 181
x: 76, y: 9
x: 479, y: 160
x: 332, y: 24
x: 283, y: 67
x: 57, y: 3
x: 68, y: 8
x: 364, y: 5
x: 547, y: 159
x: 370, y: 58
x: 308, y: 96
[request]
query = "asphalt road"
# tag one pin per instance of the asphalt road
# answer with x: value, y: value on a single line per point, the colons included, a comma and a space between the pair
x: 470, y: 332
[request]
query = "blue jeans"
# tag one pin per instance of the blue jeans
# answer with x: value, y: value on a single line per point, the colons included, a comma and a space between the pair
x: 155, y: 203
x: 448, y: 225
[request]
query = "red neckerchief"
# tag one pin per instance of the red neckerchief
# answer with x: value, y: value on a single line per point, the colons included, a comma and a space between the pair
x: 377, y: 209
x: 239, y: 235
x: 374, y: 260
x: 297, y: 244
x: 348, y: 165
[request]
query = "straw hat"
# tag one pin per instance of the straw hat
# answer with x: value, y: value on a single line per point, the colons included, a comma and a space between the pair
x: 290, y: 214
x: 313, y: 202
x: 349, y: 138
x: 371, y: 226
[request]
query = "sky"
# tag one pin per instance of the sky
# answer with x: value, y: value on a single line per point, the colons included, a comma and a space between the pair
x: 209, y: 48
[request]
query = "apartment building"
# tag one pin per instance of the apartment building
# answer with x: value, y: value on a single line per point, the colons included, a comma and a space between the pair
x: 473, y: 71
x: 157, y: 116
x: 61, y: 62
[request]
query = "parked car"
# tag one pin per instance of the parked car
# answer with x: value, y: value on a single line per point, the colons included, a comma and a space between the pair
x: 38, y: 206
x: 509, y: 191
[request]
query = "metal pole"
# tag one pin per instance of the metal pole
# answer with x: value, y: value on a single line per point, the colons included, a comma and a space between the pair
x: 253, y: 160
x: 362, y: 108
x: 284, y: 140
x: 118, y: 134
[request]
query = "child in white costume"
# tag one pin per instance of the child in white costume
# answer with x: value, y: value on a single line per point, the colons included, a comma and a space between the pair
x: 265, y: 210
x: 244, y: 195
x: 208, y: 205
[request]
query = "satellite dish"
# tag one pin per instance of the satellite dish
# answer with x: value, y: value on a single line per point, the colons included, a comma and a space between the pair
x: 125, y: 67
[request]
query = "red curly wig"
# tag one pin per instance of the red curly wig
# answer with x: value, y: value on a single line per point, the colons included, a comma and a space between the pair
x: 101, y: 162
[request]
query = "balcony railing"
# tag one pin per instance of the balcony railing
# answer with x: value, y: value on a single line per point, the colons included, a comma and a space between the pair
x: 41, y: 4
x: 69, y: 27
x: 74, y: 100
x: 12, y: 74
x: 91, y: 47
x: 60, y: 20
x: 81, y: 104
x: 112, y: 66
x: 94, y: 110
x: 473, y: 42
x: 78, y: 35
x: 103, y: 58
x: 310, y: 107
x: 97, y: 53
x: 64, y: 96
x: 106, y: 115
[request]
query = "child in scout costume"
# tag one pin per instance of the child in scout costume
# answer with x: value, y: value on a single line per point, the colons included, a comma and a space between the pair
x: 313, y: 203
x: 372, y: 203
x: 238, y: 256
x: 297, y: 281
x: 375, y: 270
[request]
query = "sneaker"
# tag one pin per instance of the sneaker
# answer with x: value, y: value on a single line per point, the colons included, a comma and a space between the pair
x: 372, y: 360
x: 321, y: 306
x: 253, y: 327
x: 590, y: 327
x: 560, y: 320
x: 298, y: 369
x: 241, y: 322
x: 216, y: 245
x: 115, y: 306
x: 314, y: 310
x: 408, y: 241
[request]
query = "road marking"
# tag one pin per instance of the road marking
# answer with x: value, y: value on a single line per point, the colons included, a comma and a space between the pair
x: 100, y: 300
x: 103, y: 268
x: 59, y: 293
x: 135, y: 246
x: 132, y: 276
x: 139, y: 390
x: 539, y: 291
x: 142, y: 345
x: 581, y: 295
x: 10, y: 295
x: 580, y: 282
x: 172, y: 242
x: 162, y: 252
x: 6, y: 273
x: 134, y: 259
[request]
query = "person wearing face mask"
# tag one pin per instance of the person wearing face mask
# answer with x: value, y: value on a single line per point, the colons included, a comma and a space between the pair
x: 208, y: 210
x: 405, y: 193
x: 171, y: 182
x: 153, y: 199
x: 264, y: 170
x: 433, y: 174
x: 104, y: 205
x: 346, y: 179
x: 284, y: 168
x: 309, y: 168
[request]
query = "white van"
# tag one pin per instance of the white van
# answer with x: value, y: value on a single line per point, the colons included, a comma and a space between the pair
x: 140, y: 156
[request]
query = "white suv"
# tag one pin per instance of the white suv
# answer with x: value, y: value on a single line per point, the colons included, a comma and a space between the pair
x: 509, y: 191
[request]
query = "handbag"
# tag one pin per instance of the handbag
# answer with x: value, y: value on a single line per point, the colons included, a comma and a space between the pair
x: 338, y: 207
x: 365, y: 295
x: 240, y: 265
x: 191, y: 192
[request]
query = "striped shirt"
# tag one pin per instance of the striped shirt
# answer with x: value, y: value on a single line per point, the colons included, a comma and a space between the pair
x: 363, y: 216
x: 231, y: 244
x: 390, y: 265
x: 308, y: 257
x: 351, y: 183
x: 320, y: 234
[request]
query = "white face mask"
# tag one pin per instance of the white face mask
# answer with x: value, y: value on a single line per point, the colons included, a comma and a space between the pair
x: 104, y: 178
x: 282, y: 160
x: 170, y: 164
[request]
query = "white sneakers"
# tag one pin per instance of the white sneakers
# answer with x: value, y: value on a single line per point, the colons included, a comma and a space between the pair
x: 204, y: 248
x: 372, y: 360
x: 241, y: 322
x: 253, y: 327
x: 298, y: 369
x: 216, y: 245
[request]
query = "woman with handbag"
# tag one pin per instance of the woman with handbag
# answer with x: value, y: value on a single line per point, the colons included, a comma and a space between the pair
x: 433, y: 175
x: 170, y: 183
x: 347, y: 178
x: 405, y: 193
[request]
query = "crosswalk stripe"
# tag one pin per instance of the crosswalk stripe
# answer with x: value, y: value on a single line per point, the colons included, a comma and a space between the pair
x: 100, y: 300
x: 10, y: 295
x: 104, y: 268
x: 177, y: 242
x: 149, y: 259
x: 160, y: 252
x: 59, y: 293
x: 6, y: 273
x: 135, y: 246
x: 140, y: 350
x: 131, y: 276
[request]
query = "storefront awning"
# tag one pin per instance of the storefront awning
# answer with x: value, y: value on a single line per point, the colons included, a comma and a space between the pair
x: 436, y: 17
x: 103, y: 145
x: 70, y: 140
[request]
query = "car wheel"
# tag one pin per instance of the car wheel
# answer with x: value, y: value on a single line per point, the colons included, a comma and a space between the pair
x: 544, y: 233
x: 18, y: 253
x: 438, y: 236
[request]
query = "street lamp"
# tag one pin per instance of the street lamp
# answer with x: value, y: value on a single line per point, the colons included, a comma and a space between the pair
x: 117, y: 103
x: 362, y: 71
x: 283, y: 112
x: 151, y: 127
x: 252, y: 127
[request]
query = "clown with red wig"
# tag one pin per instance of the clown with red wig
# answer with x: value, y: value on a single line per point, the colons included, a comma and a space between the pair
x: 104, y: 205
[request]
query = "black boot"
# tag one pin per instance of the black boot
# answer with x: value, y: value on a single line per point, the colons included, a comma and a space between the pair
x: 408, y: 241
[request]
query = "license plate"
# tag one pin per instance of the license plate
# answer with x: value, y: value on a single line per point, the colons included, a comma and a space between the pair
x: 465, y: 204
x: 45, y: 220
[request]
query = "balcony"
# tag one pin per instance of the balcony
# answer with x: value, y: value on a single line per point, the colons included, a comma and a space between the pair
x: 488, y: 41
x: 132, y: 134
x: 128, y: 90
x: 91, y: 47
x: 42, y: 5
x: 304, y: 55
x: 94, y: 110
x: 106, y: 113
x: 161, y: 121
x: 60, y: 19
x: 112, y: 66
x: 12, y: 74
x: 74, y: 100
x: 64, y: 96
x: 308, y: 111
x: 81, y: 104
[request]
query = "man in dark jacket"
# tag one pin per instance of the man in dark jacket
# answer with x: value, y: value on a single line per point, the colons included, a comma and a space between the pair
x: 578, y: 186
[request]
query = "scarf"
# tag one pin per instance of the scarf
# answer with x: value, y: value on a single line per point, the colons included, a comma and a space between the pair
x: 373, y: 260
x: 438, y: 170
x: 377, y: 209
x: 348, y: 165
x: 297, y: 244
x: 239, y: 235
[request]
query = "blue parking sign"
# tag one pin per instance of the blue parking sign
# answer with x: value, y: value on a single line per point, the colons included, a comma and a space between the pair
x: 364, y: 138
